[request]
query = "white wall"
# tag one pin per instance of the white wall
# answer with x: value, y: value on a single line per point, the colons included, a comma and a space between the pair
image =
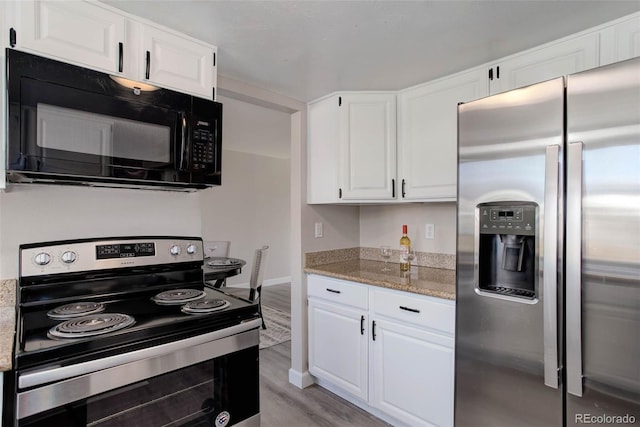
x: 38, y: 213
x: 251, y: 209
x: 382, y: 225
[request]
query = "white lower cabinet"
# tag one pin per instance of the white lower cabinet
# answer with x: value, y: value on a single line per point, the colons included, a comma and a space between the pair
x: 337, y: 348
x: 387, y: 351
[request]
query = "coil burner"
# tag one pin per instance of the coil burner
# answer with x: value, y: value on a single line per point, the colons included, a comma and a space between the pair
x: 178, y: 296
x: 93, y: 324
x: 205, y: 306
x: 76, y: 309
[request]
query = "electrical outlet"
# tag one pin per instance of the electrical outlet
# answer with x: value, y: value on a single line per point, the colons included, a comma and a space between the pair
x: 429, y: 231
x: 318, y: 229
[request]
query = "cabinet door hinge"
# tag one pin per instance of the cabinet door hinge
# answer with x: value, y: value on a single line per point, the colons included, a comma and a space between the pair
x: 339, y: 101
x: 12, y: 37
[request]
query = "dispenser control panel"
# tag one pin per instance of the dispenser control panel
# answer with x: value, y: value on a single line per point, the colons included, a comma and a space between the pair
x: 507, y: 219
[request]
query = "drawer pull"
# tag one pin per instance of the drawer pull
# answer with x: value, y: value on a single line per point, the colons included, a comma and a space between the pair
x: 413, y: 310
x: 362, y: 325
x: 333, y: 290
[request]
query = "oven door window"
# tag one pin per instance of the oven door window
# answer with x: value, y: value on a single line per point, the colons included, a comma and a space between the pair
x: 68, y: 130
x: 191, y: 396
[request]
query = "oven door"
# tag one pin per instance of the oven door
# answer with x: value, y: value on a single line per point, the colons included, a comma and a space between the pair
x: 184, y: 383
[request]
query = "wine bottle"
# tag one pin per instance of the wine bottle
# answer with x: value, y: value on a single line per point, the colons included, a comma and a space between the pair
x: 405, y: 246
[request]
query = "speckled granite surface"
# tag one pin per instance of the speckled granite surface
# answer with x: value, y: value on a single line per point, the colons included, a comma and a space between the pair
x: 423, y: 259
x: 7, y: 322
x: 435, y: 282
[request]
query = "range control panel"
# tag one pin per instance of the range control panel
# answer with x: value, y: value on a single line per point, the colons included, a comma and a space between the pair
x: 100, y: 254
x: 507, y: 219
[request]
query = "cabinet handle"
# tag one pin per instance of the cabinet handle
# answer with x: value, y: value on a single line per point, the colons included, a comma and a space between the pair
x: 333, y: 291
x: 497, y: 72
x: 362, y: 325
x: 404, y: 193
x: 490, y: 73
x: 12, y: 37
x: 146, y: 74
x: 413, y: 310
x: 120, y: 56
x: 393, y: 188
x: 373, y: 330
x: 214, y: 59
x: 339, y: 101
x: 340, y: 193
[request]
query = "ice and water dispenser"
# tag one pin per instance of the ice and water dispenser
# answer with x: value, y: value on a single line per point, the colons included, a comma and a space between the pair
x: 507, y: 249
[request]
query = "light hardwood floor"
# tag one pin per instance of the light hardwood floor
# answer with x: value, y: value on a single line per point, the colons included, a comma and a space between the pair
x: 283, y: 404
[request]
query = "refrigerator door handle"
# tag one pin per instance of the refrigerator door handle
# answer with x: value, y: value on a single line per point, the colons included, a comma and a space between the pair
x: 573, y: 276
x: 550, y: 266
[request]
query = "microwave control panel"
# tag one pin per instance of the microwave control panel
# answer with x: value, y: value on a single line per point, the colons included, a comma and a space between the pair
x: 203, y: 147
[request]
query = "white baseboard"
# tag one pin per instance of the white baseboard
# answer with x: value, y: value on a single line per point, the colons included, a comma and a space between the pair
x: 300, y: 379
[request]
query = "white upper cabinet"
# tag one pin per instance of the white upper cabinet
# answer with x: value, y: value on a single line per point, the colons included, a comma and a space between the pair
x: 545, y: 63
x: 176, y: 62
x: 427, y: 135
x: 367, y: 167
x: 620, y: 41
x: 322, y: 150
x: 95, y: 36
x: 81, y: 33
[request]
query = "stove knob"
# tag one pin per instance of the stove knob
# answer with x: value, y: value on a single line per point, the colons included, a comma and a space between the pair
x: 42, y: 258
x: 175, y: 250
x: 69, y: 257
x: 191, y: 249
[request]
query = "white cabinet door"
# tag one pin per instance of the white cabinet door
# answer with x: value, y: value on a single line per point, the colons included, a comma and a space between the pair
x: 338, y: 347
x: 427, y: 135
x: 176, y: 62
x: 621, y: 41
x: 367, y: 146
x: 545, y: 63
x: 412, y: 374
x: 323, y: 150
x: 77, y: 32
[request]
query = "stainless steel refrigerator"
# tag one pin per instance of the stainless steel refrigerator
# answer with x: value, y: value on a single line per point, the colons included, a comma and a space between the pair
x: 548, y: 255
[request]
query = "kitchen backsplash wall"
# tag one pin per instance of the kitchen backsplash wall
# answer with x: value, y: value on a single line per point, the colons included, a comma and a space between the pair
x: 382, y: 225
x: 37, y: 213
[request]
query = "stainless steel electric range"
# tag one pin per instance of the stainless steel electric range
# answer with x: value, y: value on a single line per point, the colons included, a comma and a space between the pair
x: 124, y: 332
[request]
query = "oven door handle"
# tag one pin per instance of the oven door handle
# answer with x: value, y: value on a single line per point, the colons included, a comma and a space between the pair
x: 59, y: 373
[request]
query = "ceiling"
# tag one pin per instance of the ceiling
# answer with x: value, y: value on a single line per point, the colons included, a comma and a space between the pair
x: 307, y: 49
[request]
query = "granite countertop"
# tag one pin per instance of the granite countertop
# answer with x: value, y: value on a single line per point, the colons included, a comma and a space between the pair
x: 435, y: 282
x: 7, y: 322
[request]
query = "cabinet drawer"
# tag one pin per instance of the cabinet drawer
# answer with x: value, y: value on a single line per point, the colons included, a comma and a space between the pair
x: 427, y: 313
x: 338, y: 291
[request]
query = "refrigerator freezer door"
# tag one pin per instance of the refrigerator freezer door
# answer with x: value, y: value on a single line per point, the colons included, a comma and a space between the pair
x: 603, y: 273
x: 504, y: 158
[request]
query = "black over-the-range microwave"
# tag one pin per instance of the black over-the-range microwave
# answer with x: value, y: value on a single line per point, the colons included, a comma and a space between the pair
x: 68, y: 124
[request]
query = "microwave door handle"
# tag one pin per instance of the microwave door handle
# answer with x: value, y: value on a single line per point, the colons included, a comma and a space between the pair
x: 182, y: 165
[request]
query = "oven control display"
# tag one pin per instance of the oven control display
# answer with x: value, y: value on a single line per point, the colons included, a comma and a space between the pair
x: 125, y: 250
